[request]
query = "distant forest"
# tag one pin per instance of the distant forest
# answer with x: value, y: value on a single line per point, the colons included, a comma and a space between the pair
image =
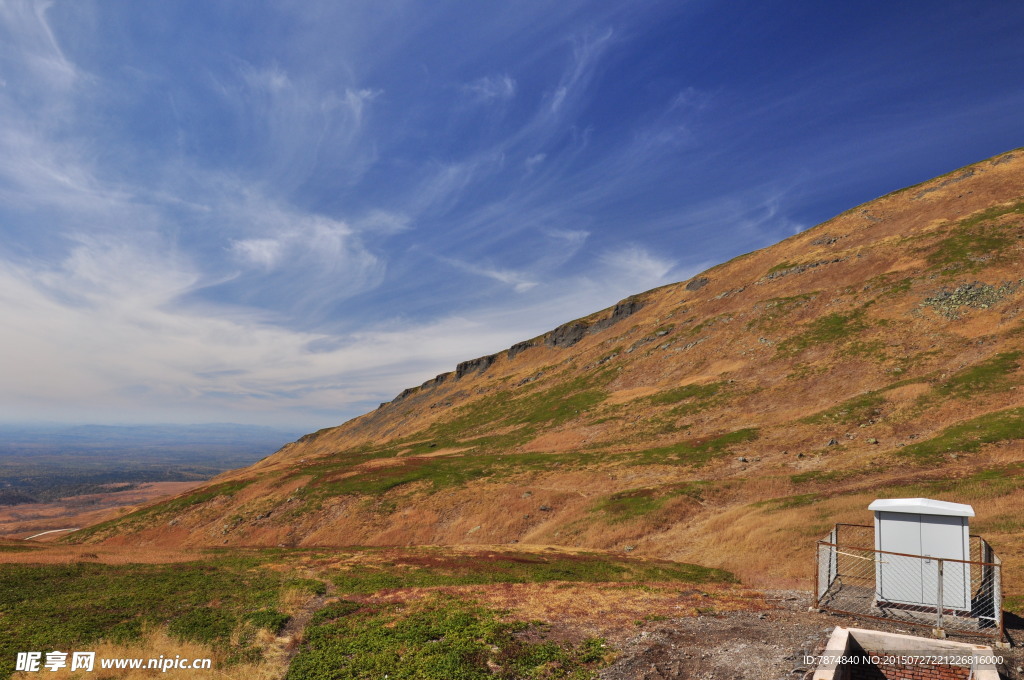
x: 46, y: 463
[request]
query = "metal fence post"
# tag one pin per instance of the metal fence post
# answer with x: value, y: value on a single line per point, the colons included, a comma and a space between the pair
x: 938, y: 622
x: 817, y: 576
x: 997, y: 596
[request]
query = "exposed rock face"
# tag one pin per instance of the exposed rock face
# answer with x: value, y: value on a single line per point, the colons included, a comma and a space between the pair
x: 519, y: 347
x: 697, y: 283
x: 406, y: 392
x: 566, y: 335
x: 623, y: 310
x: 571, y: 333
x: 436, y: 380
x: 480, y: 364
x: 799, y: 269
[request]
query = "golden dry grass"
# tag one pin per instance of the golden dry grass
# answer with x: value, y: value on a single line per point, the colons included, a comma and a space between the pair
x: 49, y: 553
x: 155, y: 644
x: 610, y: 610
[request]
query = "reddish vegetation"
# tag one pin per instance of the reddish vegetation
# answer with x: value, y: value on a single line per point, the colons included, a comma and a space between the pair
x: 21, y: 521
x: 820, y: 373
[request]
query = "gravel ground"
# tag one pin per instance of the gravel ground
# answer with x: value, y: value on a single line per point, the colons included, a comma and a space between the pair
x: 754, y: 646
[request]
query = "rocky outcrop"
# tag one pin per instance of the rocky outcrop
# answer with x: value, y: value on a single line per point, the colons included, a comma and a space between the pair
x: 697, y: 284
x: 566, y: 335
x: 436, y: 380
x: 570, y: 333
x: 624, y: 309
x: 480, y: 364
x: 519, y: 347
x: 797, y: 269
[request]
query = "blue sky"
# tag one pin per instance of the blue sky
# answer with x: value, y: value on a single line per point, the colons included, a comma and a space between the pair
x: 285, y: 213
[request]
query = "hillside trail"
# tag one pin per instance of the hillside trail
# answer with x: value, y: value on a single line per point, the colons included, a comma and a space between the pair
x: 287, y: 643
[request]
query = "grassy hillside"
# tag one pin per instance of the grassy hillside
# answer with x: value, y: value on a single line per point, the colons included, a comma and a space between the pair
x: 728, y: 420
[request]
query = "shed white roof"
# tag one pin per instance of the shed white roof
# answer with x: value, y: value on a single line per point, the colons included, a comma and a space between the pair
x: 922, y: 506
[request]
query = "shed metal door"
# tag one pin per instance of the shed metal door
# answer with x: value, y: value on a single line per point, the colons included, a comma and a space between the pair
x: 913, y: 580
x: 899, y: 578
x: 943, y: 536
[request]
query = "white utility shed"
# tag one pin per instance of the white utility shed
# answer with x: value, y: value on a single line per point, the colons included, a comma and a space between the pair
x: 932, y: 530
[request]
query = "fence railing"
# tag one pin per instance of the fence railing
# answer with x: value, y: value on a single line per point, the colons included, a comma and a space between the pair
x: 957, y: 596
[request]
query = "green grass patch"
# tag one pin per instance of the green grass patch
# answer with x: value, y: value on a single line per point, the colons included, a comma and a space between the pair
x: 870, y: 349
x: 686, y: 393
x: 975, y: 242
x: 15, y: 547
x: 633, y: 503
x: 859, y: 409
x: 695, y: 452
x: 992, y: 375
x: 898, y: 288
x: 522, y: 416
x: 777, y: 309
x: 781, y: 266
x: 988, y: 483
x: 311, y: 586
x: 828, y: 329
x: 46, y: 607
x: 969, y: 436
x: 440, y: 638
x: 552, y: 406
x: 269, y: 619
x: 430, y: 475
x: 208, y: 625
x: 436, y: 473
x: 708, y: 323
x: 1014, y: 603
x: 435, y: 568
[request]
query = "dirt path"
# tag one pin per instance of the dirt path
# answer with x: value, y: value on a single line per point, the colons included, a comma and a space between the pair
x: 287, y: 643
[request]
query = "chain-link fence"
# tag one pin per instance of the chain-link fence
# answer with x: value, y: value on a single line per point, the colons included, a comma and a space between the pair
x: 957, y: 596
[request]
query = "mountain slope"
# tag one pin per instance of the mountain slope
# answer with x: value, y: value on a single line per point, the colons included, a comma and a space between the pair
x: 728, y: 420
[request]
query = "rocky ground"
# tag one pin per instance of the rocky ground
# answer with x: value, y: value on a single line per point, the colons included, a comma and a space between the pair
x: 755, y: 645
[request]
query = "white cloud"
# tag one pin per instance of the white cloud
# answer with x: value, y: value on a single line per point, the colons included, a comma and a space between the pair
x: 26, y: 30
x: 260, y: 252
x: 519, y: 281
x: 308, y: 248
x: 383, y: 222
x: 356, y: 100
x: 571, y: 239
x: 106, y: 332
x: 587, y: 50
x: 492, y: 88
x: 637, y: 268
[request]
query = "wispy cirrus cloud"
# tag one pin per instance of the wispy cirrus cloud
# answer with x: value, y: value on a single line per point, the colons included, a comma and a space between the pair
x: 490, y: 88
x: 295, y: 212
x: 519, y: 281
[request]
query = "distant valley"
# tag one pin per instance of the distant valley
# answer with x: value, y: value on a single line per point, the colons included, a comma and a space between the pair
x: 50, y: 474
